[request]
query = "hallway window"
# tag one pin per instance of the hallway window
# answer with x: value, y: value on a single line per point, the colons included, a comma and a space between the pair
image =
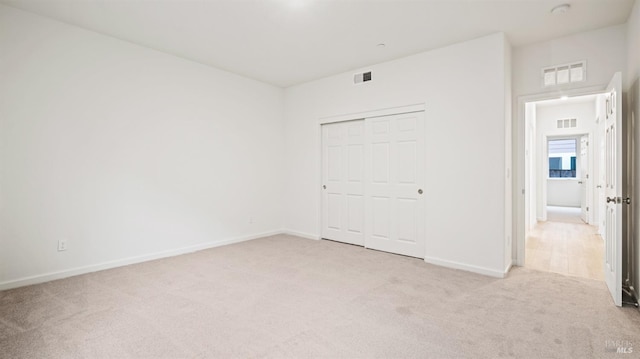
x: 562, y: 158
x: 555, y: 163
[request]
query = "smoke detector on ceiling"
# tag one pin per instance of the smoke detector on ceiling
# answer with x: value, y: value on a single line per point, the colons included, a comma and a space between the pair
x: 560, y: 9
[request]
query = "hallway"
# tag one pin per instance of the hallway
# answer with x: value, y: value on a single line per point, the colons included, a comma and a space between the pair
x: 564, y: 244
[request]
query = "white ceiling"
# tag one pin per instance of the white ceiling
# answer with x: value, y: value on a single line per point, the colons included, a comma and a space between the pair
x: 287, y: 42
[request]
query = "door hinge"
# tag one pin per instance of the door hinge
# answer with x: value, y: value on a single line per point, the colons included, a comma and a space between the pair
x: 587, y: 209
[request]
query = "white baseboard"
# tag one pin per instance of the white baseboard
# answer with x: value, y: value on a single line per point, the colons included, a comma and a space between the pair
x: 300, y: 234
x: 466, y: 267
x: 46, y: 277
x: 508, y: 268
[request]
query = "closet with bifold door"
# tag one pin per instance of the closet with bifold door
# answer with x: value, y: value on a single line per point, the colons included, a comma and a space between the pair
x: 373, y: 176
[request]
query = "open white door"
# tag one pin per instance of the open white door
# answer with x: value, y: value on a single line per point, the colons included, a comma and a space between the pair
x: 584, y: 178
x: 613, y: 188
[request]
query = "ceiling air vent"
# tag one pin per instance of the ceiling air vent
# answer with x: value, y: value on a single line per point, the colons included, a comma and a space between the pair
x: 567, y: 123
x: 362, y: 77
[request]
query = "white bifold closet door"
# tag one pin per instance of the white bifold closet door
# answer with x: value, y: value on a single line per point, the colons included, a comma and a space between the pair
x: 394, y: 179
x: 343, y: 184
x: 373, y: 173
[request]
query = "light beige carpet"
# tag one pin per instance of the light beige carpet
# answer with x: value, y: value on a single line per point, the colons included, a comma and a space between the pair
x: 286, y: 297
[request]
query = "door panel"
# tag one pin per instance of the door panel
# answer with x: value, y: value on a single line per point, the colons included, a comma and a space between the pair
x: 394, y: 173
x: 613, y: 188
x: 334, y: 204
x: 380, y: 164
x: 355, y: 164
x: 342, y: 179
x: 334, y: 157
x: 379, y: 217
x: 406, y: 160
x: 355, y: 206
x: 406, y: 213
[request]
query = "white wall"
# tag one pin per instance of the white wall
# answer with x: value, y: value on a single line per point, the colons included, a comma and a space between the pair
x: 633, y: 44
x: 603, y: 50
x: 563, y: 192
x: 633, y: 74
x: 508, y: 160
x: 546, y: 126
x: 465, y: 192
x: 125, y: 152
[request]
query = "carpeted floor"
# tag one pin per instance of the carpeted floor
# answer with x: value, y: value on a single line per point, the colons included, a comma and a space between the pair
x: 286, y: 297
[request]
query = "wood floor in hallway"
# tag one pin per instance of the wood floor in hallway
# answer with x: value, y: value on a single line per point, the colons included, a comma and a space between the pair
x: 565, y: 245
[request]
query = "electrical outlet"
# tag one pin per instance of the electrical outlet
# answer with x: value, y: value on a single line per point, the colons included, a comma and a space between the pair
x: 62, y: 245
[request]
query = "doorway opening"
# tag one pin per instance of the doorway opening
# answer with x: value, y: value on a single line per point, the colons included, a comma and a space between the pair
x: 607, y: 185
x: 563, y: 167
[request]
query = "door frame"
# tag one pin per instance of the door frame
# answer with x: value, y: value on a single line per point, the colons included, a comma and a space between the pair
x: 418, y: 107
x: 520, y: 158
x: 544, y: 153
